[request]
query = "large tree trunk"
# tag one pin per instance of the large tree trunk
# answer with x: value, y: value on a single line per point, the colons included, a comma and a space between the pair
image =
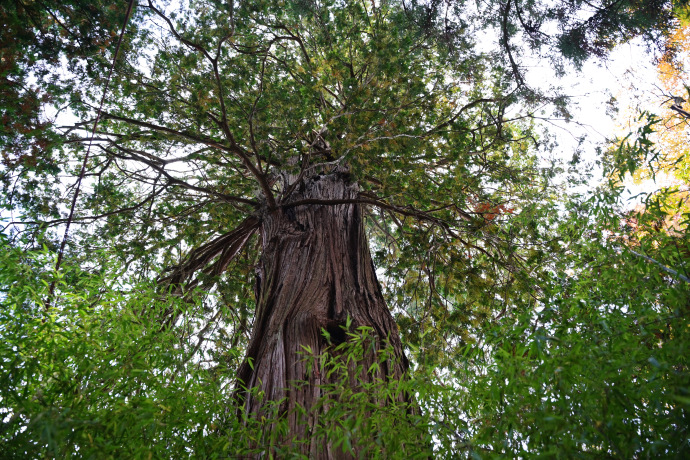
x: 315, y: 272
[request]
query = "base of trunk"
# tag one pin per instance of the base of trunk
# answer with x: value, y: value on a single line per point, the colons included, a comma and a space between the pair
x: 315, y: 278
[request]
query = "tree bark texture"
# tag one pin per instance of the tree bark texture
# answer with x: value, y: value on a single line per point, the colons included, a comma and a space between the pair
x: 316, y: 271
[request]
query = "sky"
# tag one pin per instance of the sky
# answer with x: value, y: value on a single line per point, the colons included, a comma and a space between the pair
x: 605, y: 96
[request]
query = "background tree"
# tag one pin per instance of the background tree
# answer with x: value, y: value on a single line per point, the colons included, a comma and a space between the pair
x: 654, y: 149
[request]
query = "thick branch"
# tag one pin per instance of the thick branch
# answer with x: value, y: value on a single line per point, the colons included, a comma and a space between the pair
x: 226, y: 246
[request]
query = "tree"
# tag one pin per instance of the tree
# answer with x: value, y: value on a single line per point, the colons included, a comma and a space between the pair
x: 654, y: 147
x: 283, y: 139
x: 36, y: 36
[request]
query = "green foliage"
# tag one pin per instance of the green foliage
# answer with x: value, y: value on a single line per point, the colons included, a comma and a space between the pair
x: 40, y: 42
x: 635, y: 151
x: 597, y: 368
x: 94, y: 376
x: 537, y: 324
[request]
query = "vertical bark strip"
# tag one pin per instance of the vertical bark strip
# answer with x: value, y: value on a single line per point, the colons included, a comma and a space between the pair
x: 316, y: 271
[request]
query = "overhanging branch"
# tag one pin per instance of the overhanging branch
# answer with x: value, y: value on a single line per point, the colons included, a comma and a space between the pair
x: 211, y: 258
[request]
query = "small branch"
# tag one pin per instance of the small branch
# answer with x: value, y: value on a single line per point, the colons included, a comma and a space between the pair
x: 682, y: 112
x: 134, y: 207
x: 421, y: 215
x: 234, y: 146
x: 163, y: 129
x: 505, y: 41
x: 135, y: 155
x: 454, y: 117
x: 660, y: 265
x: 190, y: 44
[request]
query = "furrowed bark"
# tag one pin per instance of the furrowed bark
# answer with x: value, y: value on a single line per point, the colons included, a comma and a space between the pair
x: 316, y: 271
